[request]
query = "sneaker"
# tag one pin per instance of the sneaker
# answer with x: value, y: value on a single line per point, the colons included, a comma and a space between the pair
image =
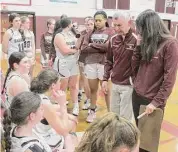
x: 75, y: 111
x: 96, y: 109
x: 91, y: 116
x: 86, y: 104
x: 79, y: 97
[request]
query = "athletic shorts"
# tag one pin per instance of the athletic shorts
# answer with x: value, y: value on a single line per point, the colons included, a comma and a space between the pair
x: 66, y: 68
x: 94, y: 71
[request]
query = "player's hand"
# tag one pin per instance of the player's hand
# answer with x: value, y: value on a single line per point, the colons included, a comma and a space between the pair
x: 59, y: 96
x: 105, y: 87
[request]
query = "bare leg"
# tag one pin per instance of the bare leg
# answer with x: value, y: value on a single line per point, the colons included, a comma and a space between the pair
x: 93, y: 84
x: 64, y: 84
x: 73, y: 81
x: 107, y: 96
x: 73, y: 85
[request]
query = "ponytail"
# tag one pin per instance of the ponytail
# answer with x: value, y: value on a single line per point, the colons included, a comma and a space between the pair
x: 7, y: 129
x: 44, y: 81
x: 107, y: 24
x: 52, y: 52
x: 7, y: 74
x: 22, y: 34
x: 37, y: 86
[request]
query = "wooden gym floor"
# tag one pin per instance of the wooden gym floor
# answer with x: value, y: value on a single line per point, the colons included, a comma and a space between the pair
x: 169, y: 131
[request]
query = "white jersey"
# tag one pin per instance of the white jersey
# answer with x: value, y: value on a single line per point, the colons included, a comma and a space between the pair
x: 34, y: 144
x: 8, y: 95
x: 29, y: 38
x: 70, y: 41
x: 53, y: 139
x: 15, y: 42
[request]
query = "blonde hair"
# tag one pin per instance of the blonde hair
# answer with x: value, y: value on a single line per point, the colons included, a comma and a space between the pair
x: 50, y: 21
x: 109, y: 133
x: 24, y: 18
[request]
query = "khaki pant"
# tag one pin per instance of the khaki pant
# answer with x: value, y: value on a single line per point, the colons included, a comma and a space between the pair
x: 121, y: 100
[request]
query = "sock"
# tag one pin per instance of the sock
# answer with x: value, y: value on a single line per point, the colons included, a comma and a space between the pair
x: 92, y: 107
x: 76, y: 104
x: 80, y: 91
x: 88, y: 100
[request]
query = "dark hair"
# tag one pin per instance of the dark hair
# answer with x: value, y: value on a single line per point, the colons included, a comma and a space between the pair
x: 44, y: 80
x: 65, y: 22
x: 57, y: 29
x: 109, y: 133
x: 12, y: 16
x: 63, y: 16
x: 59, y: 26
x: 153, y: 32
x: 15, y: 57
x: 103, y: 13
x: 22, y: 105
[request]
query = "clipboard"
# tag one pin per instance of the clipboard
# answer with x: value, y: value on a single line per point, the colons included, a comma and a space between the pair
x: 150, y: 128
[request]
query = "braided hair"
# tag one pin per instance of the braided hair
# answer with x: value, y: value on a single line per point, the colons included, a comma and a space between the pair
x: 21, y: 107
x: 15, y: 57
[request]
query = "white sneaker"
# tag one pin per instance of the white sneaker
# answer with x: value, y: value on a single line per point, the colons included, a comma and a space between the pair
x: 96, y: 109
x: 86, y: 104
x: 91, y: 116
x: 75, y: 111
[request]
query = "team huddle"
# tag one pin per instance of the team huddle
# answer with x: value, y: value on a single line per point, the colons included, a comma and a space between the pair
x: 135, y: 68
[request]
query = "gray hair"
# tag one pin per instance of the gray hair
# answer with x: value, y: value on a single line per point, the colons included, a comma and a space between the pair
x: 124, y: 15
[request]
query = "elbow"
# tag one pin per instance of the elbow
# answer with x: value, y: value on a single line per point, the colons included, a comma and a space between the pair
x: 64, y: 52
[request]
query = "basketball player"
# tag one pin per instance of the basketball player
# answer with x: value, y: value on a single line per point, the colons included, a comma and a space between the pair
x: 45, y: 42
x: 13, y: 40
x: 96, y: 45
x: 66, y: 61
x: 83, y: 82
x: 29, y: 43
x: 16, y: 80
